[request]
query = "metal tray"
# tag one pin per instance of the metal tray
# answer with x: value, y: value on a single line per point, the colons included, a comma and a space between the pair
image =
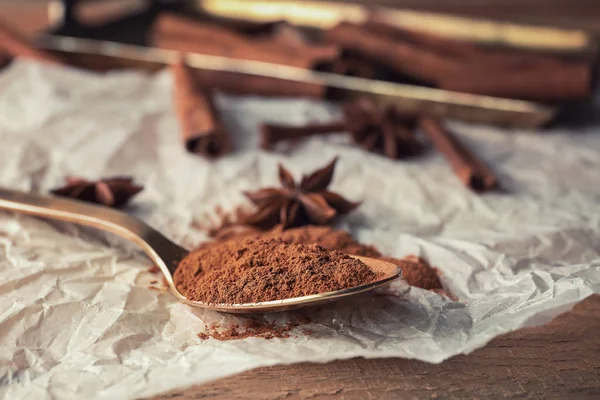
x: 123, y: 43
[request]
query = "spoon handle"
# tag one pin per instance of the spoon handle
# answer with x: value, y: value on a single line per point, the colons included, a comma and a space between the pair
x: 165, y: 254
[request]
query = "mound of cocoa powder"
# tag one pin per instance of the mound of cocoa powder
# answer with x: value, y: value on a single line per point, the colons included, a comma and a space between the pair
x: 324, y: 236
x: 255, y: 270
x: 417, y: 272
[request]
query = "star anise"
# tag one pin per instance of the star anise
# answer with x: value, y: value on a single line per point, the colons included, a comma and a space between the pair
x: 112, y: 192
x: 381, y: 130
x: 298, y: 204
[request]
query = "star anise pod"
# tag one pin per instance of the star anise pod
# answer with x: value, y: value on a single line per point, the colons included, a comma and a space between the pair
x: 381, y: 130
x: 112, y: 192
x: 298, y: 204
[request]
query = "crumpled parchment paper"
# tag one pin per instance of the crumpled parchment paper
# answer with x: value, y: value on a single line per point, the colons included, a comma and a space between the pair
x: 77, y: 319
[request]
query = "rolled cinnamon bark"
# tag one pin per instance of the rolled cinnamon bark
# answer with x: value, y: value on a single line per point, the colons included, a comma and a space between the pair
x: 399, y: 56
x: 473, y: 55
x: 184, y: 34
x: 240, y: 84
x: 291, y: 38
x: 469, y: 169
x: 201, y: 129
x: 287, y: 35
x: 542, y: 79
x: 169, y: 24
x: 567, y: 80
x: 272, y: 133
x: 442, y: 45
x: 15, y: 45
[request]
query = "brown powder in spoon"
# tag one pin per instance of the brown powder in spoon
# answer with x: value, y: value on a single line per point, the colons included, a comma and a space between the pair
x: 257, y: 270
x: 324, y: 236
x: 416, y: 271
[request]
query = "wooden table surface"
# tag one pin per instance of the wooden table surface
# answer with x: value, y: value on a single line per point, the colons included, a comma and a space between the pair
x: 558, y: 361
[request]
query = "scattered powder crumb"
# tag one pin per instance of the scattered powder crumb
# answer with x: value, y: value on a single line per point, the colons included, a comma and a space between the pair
x: 154, y: 269
x: 307, y: 332
x: 324, y: 236
x: 445, y: 293
x: 417, y: 272
x: 251, y: 328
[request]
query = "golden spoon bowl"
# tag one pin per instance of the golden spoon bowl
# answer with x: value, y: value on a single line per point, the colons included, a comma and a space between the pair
x: 166, y: 254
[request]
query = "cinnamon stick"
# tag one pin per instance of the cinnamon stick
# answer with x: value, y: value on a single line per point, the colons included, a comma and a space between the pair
x: 289, y: 36
x: 530, y: 77
x: 499, y: 72
x: 469, y: 169
x: 567, y: 80
x: 170, y: 24
x: 436, y: 43
x: 286, y: 34
x: 241, y: 84
x: 184, y: 34
x: 272, y: 133
x: 15, y: 45
x: 400, y: 56
x: 470, y: 53
x: 201, y: 130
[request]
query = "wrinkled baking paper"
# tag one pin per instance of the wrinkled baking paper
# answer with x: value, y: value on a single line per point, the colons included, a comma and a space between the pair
x: 77, y: 319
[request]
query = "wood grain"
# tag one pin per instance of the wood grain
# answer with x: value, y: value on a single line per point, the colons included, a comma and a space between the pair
x: 558, y: 361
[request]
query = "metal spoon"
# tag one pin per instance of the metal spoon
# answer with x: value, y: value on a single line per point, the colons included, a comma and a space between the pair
x: 166, y: 254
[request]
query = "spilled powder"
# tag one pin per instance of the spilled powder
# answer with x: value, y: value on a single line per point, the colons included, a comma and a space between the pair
x: 154, y: 269
x: 417, y: 272
x: 324, y: 236
x: 258, y: 270
x: 251, y: 328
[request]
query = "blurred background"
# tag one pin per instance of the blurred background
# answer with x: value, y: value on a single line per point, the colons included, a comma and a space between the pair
x: 33, y: 15
x: 540, y: 51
